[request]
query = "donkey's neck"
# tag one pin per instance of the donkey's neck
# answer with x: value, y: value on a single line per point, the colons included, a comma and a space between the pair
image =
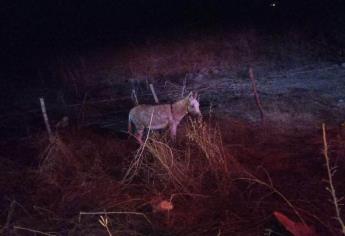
x: 179, y: 109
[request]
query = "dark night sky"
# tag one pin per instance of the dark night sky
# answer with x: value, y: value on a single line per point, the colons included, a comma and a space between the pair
x: 30, y: 28
x: 53, y: 23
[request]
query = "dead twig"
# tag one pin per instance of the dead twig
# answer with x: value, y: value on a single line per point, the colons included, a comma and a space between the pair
x: 115, y: 213
x: 138, y: 157
x: 330, y: 174
x: 33, y: 231
x: 103, y: 220
x: 9, y: 217
x: 252, y: 178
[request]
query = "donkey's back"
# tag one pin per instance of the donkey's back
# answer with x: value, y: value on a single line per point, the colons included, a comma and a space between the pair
x: 150, y: 116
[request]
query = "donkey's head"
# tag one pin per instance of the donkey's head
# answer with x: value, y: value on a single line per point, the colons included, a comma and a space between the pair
x: 193, y: 104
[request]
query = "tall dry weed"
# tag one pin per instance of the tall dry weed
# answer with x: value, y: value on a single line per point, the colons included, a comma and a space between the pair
x: 209, y: 140
x: 169, y: 160
x: 56, y: 159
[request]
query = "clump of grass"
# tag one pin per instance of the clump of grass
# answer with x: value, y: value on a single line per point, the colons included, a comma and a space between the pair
x: 209, y: 140
x: 55, y: 159
x: 181, y: 187
x: 168, y: 159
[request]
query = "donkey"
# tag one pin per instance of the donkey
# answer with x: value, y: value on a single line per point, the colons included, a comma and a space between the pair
x: 162, y: 116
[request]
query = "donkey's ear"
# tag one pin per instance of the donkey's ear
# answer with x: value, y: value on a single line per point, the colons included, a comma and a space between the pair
x: 190, y: 95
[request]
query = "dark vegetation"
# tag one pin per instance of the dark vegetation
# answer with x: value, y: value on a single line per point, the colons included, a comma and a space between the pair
x: 213, y: 186
x: 234, y: 173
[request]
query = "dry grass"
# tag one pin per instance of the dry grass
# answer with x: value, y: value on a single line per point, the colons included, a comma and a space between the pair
x: 177, y: 165
x: 209, y: 141
x: 183, y: 188
x: 53, y: 158
x: 168, y: 160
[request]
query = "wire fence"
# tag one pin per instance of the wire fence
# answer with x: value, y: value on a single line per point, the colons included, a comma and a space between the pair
x: 111, y: 111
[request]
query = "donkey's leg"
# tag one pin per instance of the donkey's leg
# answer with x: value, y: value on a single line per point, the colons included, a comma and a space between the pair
x: 139, y: 135
x: 173, y: 128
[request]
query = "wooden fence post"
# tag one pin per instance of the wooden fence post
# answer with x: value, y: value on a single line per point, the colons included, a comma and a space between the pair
x: 184, y: 85
x: 154, y: 93
x: 133, y: 93
x: 46, y: 120
x: 134, y: 97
